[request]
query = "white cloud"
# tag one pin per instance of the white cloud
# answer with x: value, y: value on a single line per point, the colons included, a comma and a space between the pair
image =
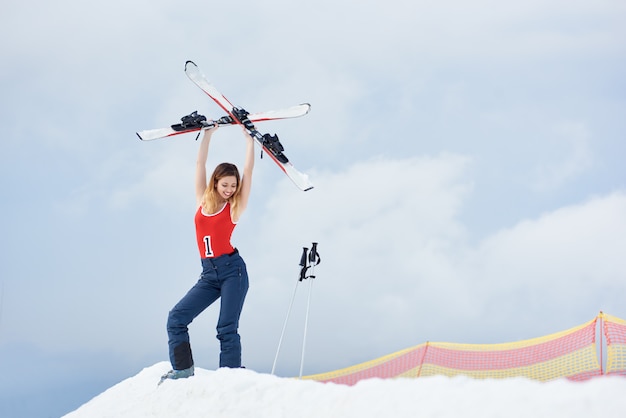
x: 397, y: 268
x: 396, y: 261
x: 572, y: 247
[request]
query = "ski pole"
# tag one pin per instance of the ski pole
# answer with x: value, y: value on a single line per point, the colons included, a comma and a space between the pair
x: 314, y: 260
x: 303, y: 260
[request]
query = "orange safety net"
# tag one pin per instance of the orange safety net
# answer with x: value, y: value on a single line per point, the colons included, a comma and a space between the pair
x: 572, y: 354
x: 615, y: 333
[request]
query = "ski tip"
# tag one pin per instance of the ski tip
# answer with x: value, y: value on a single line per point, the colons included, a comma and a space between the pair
x: 309, y: 188
x: 190, y: 62
x: 138, y: 135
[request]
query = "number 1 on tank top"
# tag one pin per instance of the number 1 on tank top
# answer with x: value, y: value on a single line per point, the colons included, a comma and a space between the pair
x: 208, y: 251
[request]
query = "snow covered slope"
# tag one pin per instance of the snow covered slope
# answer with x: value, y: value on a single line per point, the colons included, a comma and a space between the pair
x: 245, y: 393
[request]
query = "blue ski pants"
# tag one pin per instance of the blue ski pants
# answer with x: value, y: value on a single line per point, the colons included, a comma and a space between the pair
x: 226, y: 277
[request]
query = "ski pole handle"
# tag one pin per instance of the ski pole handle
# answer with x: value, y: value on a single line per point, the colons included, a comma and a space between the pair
x: 314, y: 257
x: 303, y: 264
x: 304, y: 256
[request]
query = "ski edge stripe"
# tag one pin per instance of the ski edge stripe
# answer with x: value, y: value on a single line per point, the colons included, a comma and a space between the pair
x: 292, y: 112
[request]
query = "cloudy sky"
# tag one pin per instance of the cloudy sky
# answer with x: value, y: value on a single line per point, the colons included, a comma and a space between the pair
x: 468, y: 162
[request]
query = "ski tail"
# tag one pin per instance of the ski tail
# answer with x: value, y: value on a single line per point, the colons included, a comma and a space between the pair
x: 195, y: 75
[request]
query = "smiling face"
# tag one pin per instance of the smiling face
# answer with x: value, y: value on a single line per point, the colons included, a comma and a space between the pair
x: 223, y: 186
x: 226, y: 187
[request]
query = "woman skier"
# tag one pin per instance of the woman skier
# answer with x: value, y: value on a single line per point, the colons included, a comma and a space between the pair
x: 220, y: 204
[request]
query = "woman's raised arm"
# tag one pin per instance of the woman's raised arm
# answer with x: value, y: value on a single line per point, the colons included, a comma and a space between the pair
x: 203, y: 152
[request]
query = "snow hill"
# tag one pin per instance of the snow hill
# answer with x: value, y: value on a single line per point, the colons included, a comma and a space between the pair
x: 245, y: 393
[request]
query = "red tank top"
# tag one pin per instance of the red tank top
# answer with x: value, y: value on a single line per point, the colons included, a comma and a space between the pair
x: 213, y: 232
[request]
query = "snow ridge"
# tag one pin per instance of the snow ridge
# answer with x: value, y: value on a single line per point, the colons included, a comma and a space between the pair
x: 245, y: 393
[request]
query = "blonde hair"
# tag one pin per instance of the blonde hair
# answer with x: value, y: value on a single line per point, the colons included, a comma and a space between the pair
x: 210, y: 199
